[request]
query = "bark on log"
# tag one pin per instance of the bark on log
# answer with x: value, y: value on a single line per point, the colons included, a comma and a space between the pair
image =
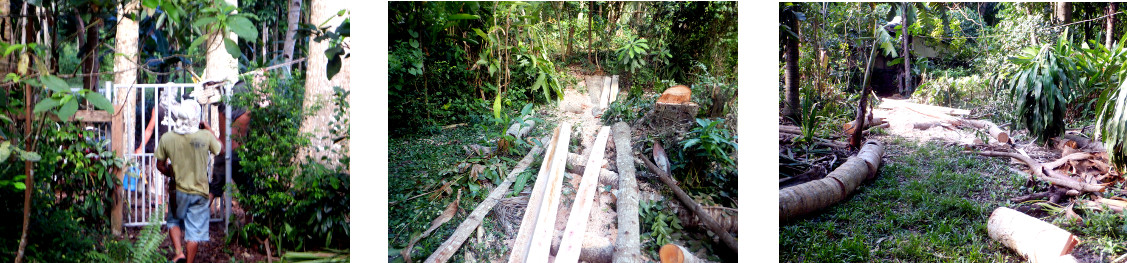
x: 451, y: 245
x: 1034, y: 239
x: 995, y: 132
x: 812, y: 196
x: 575, y: 163
x: 520, y: 244
x: 869, y: 123
x: 672, y: 253
x: 584, y: 200
x: 695, y: 207
x: 1040, y: 171
x: 627, y: 246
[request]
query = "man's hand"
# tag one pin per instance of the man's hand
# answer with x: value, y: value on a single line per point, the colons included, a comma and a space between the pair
x: 164, y: 168
x: 204, y: 126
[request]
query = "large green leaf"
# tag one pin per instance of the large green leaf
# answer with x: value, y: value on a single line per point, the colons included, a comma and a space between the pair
x: 462, y: 17
x: 497, y: 106
x: 540, y: 83
x: 202, y: 23
x: 242, y: 27
x: 232, y: 48
x: 55, y: 83
x: 46, y: 104
x: 100, y: 102
x: 68, y: 109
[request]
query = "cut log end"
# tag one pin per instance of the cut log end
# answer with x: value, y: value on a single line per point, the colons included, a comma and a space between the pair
x: 671, y: 253
x: 1034, y: 239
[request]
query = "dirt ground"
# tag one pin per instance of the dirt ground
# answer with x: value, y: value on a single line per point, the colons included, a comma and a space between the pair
x: 215, y: 250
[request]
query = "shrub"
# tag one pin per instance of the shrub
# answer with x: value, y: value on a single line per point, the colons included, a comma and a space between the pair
x: 1041, y: 88
x: 292, y: 209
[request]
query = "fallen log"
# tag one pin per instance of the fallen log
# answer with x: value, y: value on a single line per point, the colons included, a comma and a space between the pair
x: 584, y: 200
x: 1100, y: 203
x: 451, y: 245
x: 695, y: 207
x: 1034, y: 239
x: 1045, y: 173
x: 627, y: 247
x: 520, y: 244
x: 869, y: 123
x: 995, y: 132
x: 672, y: 253
x: 814, y: 195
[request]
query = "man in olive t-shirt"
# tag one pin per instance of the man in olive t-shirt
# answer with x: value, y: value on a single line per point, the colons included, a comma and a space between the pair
x: 189, y: 155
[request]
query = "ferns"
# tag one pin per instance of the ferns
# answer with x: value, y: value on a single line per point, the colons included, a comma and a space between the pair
x: 148, y: 242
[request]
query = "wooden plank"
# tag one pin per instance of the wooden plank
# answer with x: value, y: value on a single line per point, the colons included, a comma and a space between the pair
x: 82, y: 115
x: 614, y: 89
x: 528, y: 223
x: 604, y: 101
x: 451, y: 245
x: 573, y: 234
x: 541, y: 241
x: 628, y: 246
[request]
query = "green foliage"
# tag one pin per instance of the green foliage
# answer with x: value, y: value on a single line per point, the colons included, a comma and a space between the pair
x: 221, y: 19
x: 1041, y: 87
x: 954, y: 88
x: 703, y: 160
x: 278, y: 192
x: 710, y: 141
x: 659, y: 224
x: 628, y: 110
x: 632, y: 54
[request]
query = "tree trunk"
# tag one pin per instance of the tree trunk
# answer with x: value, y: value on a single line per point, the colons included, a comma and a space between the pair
x: 672, y: 253
x: 319, y: 89
x: 291, y: 31
x: 862, y: 106
x: 28, y: 168
x: 907, y: 58
x: 1109, y: 39
x: 590, y: 24
x: 811, y: 196
x: 90, y: 62
x: 220, y: 66
x: 1063, y: 12
x: 790, y: 73
x: 628, y: 245
x: 125, y: 66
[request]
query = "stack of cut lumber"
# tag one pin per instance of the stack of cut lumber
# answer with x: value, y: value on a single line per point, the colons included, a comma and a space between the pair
x: 534, y: 239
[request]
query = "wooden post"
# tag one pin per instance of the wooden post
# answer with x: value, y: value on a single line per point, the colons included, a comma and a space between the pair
x: 116, y: 144
x: 584, y: 198
x: 627, y: 248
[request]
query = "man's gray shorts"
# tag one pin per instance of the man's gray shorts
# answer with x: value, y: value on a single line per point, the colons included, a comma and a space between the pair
x: 191, y: 216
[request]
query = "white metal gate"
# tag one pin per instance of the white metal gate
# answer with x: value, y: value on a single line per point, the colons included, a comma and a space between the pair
x: 145, y: 187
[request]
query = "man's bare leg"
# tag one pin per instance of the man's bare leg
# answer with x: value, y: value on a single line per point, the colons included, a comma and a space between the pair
x: 192, y: 245
x: 177, y: 235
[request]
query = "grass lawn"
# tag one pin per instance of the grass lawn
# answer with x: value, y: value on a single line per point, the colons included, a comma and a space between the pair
x: 929, y: 203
